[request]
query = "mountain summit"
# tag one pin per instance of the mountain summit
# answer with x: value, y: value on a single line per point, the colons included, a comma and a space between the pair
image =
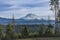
x: 31, y: 17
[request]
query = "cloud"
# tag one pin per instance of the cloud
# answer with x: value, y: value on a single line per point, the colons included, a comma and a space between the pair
x: 40, y: 11
x: 21, y: 8
x: 19, y: 4
x: 35, y: 4
x: 4, y: 6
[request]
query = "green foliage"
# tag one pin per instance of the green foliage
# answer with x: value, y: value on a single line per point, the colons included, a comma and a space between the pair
x: 25, y: 32
x: 59, y: 13
x: 56, y: 30
x: 48, y: 32
x: 18, y: 36
x: 9, y: 29
x: 1, y: 32
x: 1, y: 29
x: 54, y: 4
x: 8, y: 32
x: 41, y: 30
x: 51, y: 2
x: 50, y: 26
x: 14, y: 35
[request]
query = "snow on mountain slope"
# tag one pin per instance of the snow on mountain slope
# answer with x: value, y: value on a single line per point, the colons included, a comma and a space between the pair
x: 31, y: 17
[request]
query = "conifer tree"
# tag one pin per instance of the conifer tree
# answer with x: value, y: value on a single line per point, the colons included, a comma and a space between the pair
x: 8, y: 32
x: 48, y: 32
x: 41, y: 30
x: 25, y: 32
x: 55, y: 8
x: 1, y: 32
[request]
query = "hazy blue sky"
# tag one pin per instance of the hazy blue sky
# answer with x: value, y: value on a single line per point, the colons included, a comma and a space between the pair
x: 22, y: 7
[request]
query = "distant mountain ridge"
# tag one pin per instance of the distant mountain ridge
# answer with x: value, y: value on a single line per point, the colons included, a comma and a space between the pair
x: 19, y: 21
x: 28, y: 19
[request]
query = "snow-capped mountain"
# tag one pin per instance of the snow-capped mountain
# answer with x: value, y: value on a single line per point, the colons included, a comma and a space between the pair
x: 4, y: 21
x: 31, y: 17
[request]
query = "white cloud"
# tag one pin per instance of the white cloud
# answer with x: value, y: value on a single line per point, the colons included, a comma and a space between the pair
x: 40, y: 11
x: 22, y: 11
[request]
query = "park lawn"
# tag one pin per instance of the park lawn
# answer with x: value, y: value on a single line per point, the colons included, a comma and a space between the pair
x: 47, y: 38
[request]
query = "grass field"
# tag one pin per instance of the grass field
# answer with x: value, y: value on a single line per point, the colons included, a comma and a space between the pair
x: 48, y: 38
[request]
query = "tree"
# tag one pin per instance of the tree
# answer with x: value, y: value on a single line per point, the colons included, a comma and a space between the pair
x: 57, y: 28
x: 48, y: 31
x: 41, y: 30
x: 54, y: 4
x: 25, y: 32
x: 58, y: 14
x: 8, y: 32
x: 10, y: 35
x: 56, y: 31
x: 55, y: 7
x: 50, y: 26
x: 1, y: 32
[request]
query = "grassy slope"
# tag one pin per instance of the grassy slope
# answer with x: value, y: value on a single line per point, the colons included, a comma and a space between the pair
x: 51, y: 38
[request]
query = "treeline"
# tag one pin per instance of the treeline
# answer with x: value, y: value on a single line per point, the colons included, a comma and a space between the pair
x: 10, y: 33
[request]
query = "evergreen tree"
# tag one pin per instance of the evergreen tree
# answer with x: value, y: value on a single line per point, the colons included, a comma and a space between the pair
x: 41, y: 30
x: 10, y: 35
x: 55, y: 7
x: 25, y: 32
x: 8, y: 32
x: 50, y: 26
x: 59, y: 13
x: 48, y: 32
x: 1, y: 32
x: 56, y: 31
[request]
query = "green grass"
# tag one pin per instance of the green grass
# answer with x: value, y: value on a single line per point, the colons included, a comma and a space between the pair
x: 48, y: 38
